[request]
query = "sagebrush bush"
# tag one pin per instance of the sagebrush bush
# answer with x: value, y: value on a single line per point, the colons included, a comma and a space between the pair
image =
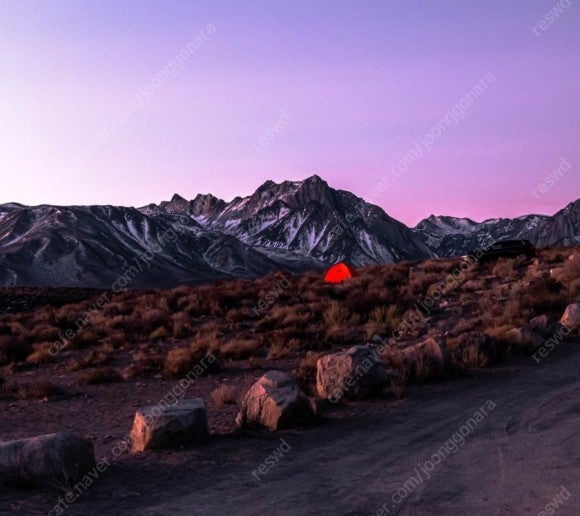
x: 305, y: 372
x: 180, y: 361
x: 13, y: 349
x: 93, y: 359
x: 41, y: 355
x: 39, y: 390
x: 99, y: 375
x: 225, y: 394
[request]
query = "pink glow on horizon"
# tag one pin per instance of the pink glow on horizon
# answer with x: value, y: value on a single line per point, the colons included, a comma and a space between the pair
x: 358, y: 84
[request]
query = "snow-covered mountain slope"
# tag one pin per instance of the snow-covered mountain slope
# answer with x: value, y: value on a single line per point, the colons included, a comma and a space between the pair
x: 450, y: 236
x: 307, y: 218
x: 99, y: 245
x: 292, y: 226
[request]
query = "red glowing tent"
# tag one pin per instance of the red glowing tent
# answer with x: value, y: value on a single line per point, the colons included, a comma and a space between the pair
x: 339, y: 272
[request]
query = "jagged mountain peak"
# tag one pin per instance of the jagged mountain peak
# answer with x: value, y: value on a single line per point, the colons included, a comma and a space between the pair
x: 177, y: 198
x: 292, y: 225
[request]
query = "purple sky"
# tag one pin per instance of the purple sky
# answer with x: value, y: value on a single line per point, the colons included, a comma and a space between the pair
x: 346, y: 89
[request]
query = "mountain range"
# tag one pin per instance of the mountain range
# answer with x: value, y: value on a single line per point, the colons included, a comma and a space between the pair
x: 292, y: 226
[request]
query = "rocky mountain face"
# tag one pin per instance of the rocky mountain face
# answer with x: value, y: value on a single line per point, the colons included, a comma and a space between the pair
x: 292, y: 226
x: 306, y: 219
x: 451, y: 236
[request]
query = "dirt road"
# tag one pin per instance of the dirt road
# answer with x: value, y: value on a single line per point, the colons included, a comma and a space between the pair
x: 521, y: 457
x: 436, y: 452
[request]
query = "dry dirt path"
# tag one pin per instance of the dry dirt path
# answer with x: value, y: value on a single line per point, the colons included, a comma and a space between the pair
x: 516, y: 460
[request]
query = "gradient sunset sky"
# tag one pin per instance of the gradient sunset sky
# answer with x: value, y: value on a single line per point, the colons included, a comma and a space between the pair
x: 347, y: 88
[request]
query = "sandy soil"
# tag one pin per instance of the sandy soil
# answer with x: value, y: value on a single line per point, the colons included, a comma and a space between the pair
x: 365, y: 455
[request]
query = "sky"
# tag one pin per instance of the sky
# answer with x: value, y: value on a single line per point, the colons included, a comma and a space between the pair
x: 127, y: 102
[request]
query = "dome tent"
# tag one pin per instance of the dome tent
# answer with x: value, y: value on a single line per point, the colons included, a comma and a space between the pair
x: 339, y: 272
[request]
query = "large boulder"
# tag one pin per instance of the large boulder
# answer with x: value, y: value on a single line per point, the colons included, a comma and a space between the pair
x: 274, y: 402
x: 156, y: 426
x: 431, y: 350
x: 55, y: 459
x: 524, y: 338
x: 355, y: 373
x: 571, y: 317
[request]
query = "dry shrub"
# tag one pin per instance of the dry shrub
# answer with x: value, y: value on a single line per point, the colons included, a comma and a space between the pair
x: 424, y: 368
x: 13, y: 349
x: 293, y: 316
x: 179, y: 362
x: 39, y: 390
x: 419, y: 367
x: 99, y: 375
x: 116, y: 339
x: 305, y: 372
x: 92, y: 359
x: 207, y: 340
x: 277, y: 350
x: 44, y: 333
x: 85, y: 339
x: 41, y: 355
x: 473, y: 357
x: 382, y: 320
x: 280, y: 344
x: 444, y: 266
x: 225, y: 394
x: 499, y: 332
x: 160, y: 333
x: 420, y: 282
x: 153, y: 319
x: 394, y: 358
x: 466, y: 325
x: 514, y: 312
x: 543, y: 295
x: 569, y: 276
x: 505, y: 268
x: 398, y: 383
x: 387, y: 315
x: 574, y: 291
x: 238, y: 349
x: 359, y: 301
x: 476, y: 350
x: 144, y: 364
x: 337, y: 316
x: 553, y: 256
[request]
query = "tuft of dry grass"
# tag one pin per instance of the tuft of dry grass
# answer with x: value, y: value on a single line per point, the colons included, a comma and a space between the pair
x: 13, y: 349
x: 477, y: 350
x: 40, y: 389
x: 160, y: 333
x: 505, y: 269
x: 398, y: 383
x: 92, y: 359
x: 424, y: 368
x: 179, y: 361
x: 474, y: 358
x: 240, y: 349
x: 225, y: 394
x: 41, y: 354
x: 305, y: 372
x: 99, y: 375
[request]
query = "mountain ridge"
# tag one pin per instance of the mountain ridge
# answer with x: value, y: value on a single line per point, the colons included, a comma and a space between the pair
x: 290, y: 226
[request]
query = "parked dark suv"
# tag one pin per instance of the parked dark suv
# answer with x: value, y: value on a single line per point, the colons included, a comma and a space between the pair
x: 508, y: 249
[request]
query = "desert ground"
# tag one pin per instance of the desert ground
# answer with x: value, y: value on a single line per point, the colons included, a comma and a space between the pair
x: 515, y: 462
x: 495, y: 434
